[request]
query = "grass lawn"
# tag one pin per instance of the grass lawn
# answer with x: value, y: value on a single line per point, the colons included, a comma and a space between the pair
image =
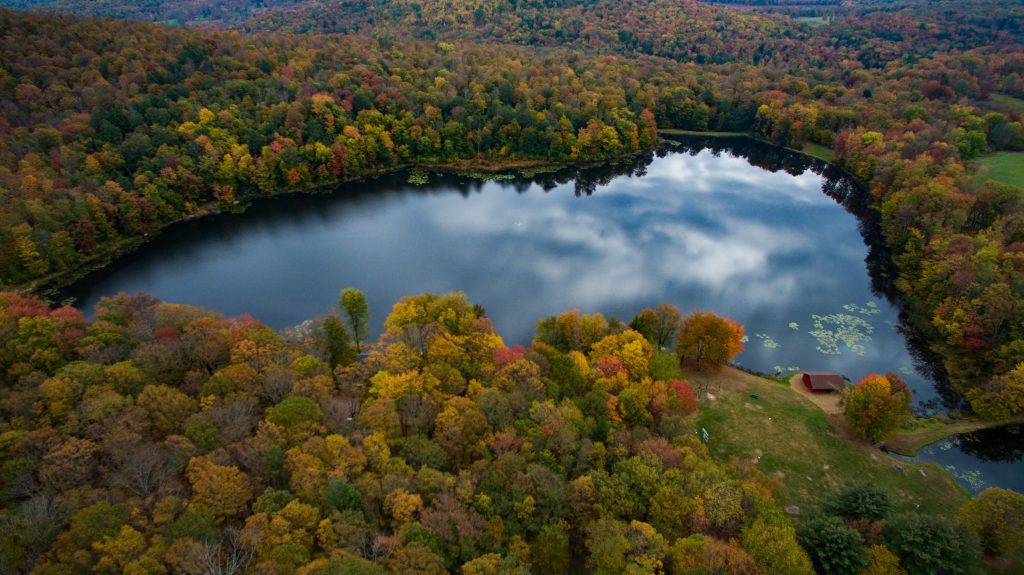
x: 819, y: 151
x: 675, y: 132
x: 1006, y: 102
x: 797, y: 443
x: 814, y: 21
x: 1005, y: 167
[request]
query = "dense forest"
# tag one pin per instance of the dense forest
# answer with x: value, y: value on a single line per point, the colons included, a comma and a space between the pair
x: 113, y: 129
x: 162, y: 438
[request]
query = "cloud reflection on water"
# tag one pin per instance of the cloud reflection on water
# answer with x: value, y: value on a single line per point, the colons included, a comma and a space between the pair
x: 698, y: 230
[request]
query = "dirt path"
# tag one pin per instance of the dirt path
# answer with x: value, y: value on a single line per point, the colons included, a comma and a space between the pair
x: 828, y: 402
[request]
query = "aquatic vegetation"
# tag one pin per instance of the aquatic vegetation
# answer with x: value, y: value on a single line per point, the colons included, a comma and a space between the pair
x: 531, y: 172
x: 785, y: 369
x: 418, y: 177
x: 794, y: 326
x: 871, y: 308
x: 834, y: 329
x: 488, y: 177
x: 971, y: 477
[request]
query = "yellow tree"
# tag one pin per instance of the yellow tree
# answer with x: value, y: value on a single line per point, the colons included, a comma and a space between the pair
x: 997, y: 516
x: 222, y: 489
x: 874, y: 409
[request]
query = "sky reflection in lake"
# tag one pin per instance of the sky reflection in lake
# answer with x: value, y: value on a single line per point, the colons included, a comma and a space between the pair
x: 699, y: 230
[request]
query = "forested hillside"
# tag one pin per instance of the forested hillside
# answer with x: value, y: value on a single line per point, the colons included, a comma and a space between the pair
x: 110, y: 130
x: 162, y: 438
x: 184, y: 13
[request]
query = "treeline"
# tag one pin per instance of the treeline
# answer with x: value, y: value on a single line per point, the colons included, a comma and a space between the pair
x: 185, y: 13
x: 112, y: 129
x: 162, y: 438
x: 876, y: 36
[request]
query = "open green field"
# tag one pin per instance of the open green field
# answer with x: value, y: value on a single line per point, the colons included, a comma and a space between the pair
x: 795, y: 442
x: 814, y: 21
x: 1006, y: 102
x: 1005, y: 167
x: 819, y: 151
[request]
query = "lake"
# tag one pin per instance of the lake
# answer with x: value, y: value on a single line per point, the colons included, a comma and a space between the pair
x: 783, y: 243
x: 765, y: 236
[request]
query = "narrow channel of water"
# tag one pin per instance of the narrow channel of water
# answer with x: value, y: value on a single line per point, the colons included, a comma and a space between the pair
x: 982, y: 459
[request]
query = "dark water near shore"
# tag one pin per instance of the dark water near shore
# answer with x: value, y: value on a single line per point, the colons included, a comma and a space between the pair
x: 982, y: 459
x: 783, y: 243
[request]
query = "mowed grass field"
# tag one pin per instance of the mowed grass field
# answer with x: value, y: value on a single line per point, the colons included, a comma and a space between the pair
x: 1006, y: 102
x: 795, y: 442
x: 1005, y: 167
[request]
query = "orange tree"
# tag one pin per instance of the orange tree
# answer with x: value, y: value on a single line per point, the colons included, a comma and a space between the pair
x: 708, y: 341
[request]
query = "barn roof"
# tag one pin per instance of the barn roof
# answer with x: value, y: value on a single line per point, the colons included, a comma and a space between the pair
x: 825, y: 380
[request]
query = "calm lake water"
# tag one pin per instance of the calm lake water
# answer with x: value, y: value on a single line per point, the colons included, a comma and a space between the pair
x: 780, y: 242
x: 983, y: 459
x: 728, y: 225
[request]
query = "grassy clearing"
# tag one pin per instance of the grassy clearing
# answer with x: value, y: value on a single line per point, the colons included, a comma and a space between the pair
x: 928, y: 431
x: 814, y: 21
x: 674, y: 132
x: 1006, y: 102
x: 1005, y: 167
x: 806, y: 450
x: 819, y: 151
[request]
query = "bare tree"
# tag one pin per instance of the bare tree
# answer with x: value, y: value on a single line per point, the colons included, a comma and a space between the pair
x: 226, y: 556
x: 141, y: 468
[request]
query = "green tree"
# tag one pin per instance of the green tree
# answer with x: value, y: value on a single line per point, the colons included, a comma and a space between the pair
x: 834, y: 548
x: 646, y: 324
x: 353, y: 303
x: 340, y: 495
x: 934, y: 545
x: 295, y: 414
x: 859, y: 500
x: 550, y: 550
x: 339, y: 351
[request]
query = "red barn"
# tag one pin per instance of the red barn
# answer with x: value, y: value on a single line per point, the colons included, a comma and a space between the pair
x: 823, y: 381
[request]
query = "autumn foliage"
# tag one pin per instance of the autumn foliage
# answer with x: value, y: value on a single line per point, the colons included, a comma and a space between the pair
x: 707, y: 341
x: 162, y: 438
x: 877, y: 405
x: 123, y: 128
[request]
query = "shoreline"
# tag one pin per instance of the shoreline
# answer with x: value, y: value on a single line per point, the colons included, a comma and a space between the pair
x: 908, y: 443
x: 810, y: 149
x: 51, y: 284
